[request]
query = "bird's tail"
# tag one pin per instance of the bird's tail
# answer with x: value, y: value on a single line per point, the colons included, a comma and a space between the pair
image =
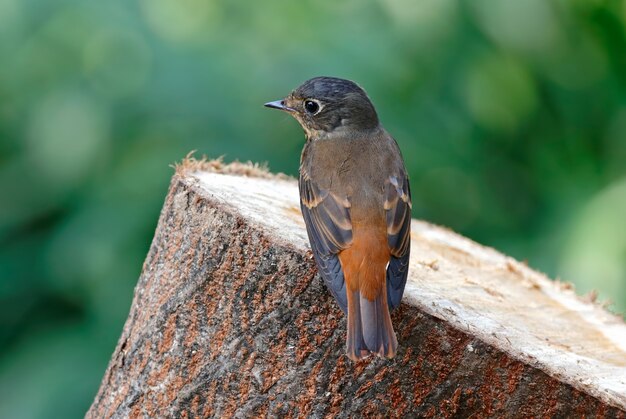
x: 369, y: 326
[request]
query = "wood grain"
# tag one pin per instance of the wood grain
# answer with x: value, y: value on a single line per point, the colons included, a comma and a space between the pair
x: 229, y: 319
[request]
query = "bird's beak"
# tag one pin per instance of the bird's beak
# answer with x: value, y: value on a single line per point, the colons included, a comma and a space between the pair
x: 280, y: 105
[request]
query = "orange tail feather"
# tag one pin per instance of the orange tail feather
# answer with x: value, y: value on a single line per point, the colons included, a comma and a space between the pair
x: 369, y: 327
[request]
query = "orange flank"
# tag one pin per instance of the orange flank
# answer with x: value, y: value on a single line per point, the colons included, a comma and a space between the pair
x: 365, y: 261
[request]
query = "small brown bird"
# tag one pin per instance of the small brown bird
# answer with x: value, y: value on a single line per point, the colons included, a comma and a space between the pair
x: 356, y: 203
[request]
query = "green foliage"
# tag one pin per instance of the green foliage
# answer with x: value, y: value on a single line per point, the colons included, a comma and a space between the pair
x: 511, y: 116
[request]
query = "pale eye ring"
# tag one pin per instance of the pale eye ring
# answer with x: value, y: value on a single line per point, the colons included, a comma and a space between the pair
x: 311, y: 106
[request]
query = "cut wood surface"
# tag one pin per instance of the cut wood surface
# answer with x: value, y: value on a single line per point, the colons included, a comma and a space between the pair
x: 229, y: 318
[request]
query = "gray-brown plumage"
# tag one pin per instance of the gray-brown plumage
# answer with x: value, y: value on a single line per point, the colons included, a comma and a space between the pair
x: 356, y: 203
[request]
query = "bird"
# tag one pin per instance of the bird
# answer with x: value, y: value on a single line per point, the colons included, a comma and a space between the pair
x: 356, y: 204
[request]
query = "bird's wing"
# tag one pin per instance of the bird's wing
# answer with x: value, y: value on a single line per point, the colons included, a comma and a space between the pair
x: 327, y: 219
x: 398, y: 212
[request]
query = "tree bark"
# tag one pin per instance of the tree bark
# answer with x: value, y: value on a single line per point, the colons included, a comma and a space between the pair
x: 230, y: 318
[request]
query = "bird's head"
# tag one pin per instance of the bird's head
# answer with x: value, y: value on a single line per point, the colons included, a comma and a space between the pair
x: 328, y: 105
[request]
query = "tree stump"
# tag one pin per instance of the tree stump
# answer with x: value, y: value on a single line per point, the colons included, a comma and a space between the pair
x: 230, y: 319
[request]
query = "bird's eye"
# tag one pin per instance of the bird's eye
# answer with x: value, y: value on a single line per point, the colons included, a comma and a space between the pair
x: 311, y: 106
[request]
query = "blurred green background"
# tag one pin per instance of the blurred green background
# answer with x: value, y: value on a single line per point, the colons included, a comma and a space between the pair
x: 511, y: 116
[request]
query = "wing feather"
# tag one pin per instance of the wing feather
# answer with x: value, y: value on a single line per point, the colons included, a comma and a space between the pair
x: 328, y: 225
x: 398, y: 212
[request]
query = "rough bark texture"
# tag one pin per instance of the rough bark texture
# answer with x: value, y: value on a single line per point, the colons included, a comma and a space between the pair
x: 230, y: 320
